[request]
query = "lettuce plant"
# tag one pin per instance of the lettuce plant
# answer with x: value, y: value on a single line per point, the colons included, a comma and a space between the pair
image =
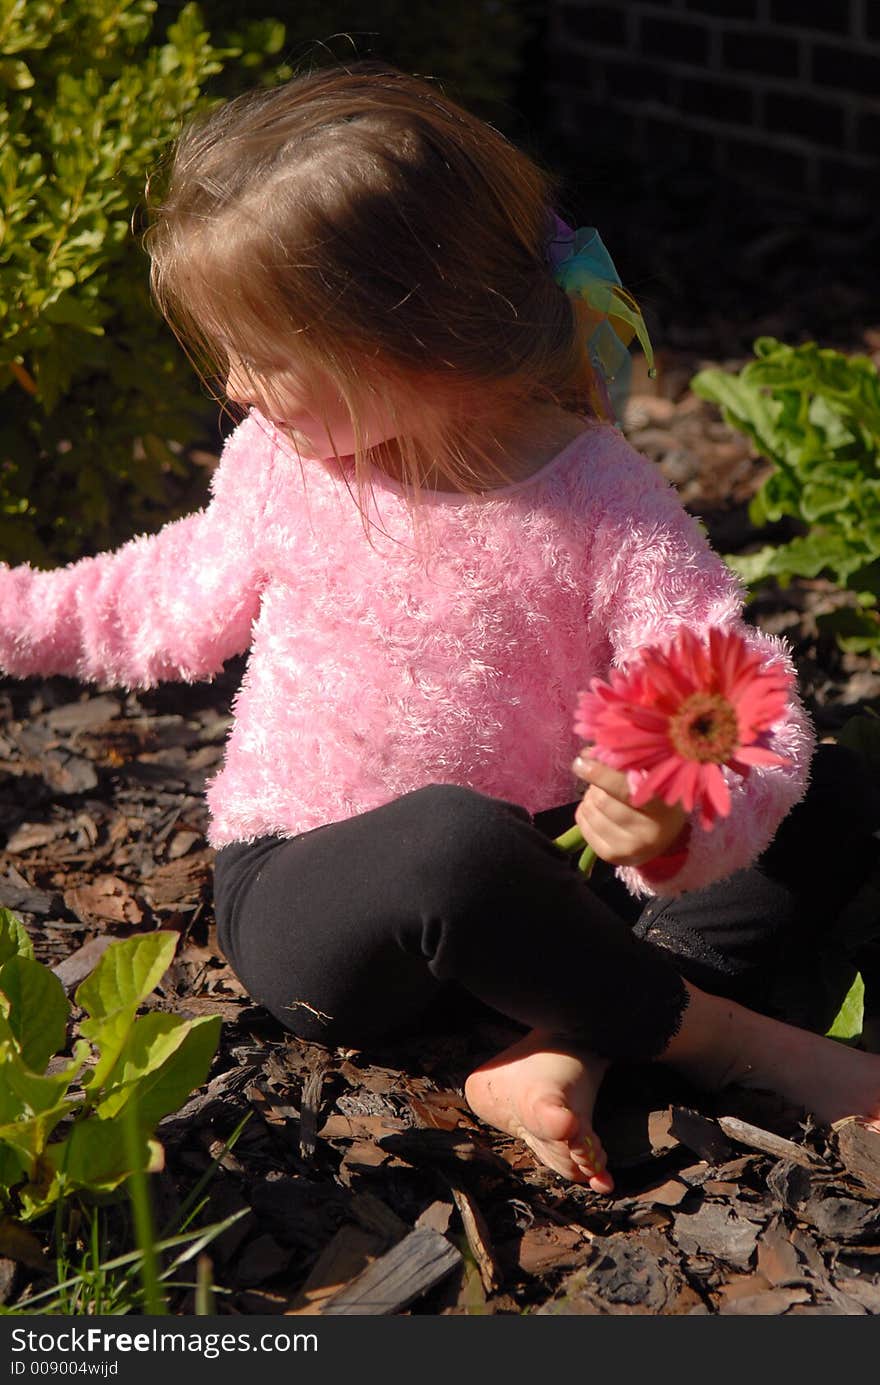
x: 815, y: 414
x: 63, y: 1122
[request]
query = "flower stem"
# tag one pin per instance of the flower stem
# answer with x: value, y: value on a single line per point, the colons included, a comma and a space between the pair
x: 574, y: 840
x: 587, y: 860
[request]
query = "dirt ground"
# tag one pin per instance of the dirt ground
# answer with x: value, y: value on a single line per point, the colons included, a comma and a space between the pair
x: 367, y: 1183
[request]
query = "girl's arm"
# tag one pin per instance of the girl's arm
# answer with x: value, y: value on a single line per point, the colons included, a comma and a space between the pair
x: 663, y: 575
x: 170, y: 605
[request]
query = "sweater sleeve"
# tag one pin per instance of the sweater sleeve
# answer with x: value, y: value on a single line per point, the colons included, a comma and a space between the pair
x: 662, y: 575
x: 171, y: 605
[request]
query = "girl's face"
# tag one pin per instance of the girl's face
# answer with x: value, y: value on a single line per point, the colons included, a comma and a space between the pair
x: 309, y: 412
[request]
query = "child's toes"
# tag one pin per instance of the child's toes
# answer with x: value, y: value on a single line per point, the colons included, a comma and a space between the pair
x: 602, y: 1182
x: 589, y: 1156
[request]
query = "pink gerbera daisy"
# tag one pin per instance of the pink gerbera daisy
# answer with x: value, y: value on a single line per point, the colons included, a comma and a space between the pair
x: 681, y: 713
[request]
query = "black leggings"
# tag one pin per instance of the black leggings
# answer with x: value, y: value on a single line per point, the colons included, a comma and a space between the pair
x: 352, y: 931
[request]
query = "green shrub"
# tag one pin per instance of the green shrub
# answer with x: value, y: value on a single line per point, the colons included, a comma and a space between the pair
x: 94, y: 384
x: 815, y: 414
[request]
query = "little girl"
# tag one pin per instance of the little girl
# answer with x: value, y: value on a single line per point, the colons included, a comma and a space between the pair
x: 430, y: 536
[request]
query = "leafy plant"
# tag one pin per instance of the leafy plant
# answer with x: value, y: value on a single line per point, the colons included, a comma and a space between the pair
x: 815, y: 414
x: 94, y: 1272
x: 65, y: 1130
x: 96, y: 383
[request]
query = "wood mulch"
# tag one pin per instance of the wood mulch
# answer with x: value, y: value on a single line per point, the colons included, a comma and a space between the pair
x: 367, y: 1184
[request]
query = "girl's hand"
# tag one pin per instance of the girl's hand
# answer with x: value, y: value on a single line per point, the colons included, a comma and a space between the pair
x: 619, y: 833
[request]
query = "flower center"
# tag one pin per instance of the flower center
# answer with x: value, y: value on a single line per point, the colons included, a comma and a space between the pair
x: 705, y: 728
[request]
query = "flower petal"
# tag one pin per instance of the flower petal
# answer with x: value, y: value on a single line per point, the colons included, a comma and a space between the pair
x: 715, y: 801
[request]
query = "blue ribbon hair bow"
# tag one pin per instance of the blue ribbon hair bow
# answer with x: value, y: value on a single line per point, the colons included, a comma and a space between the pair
x: 583, y: 267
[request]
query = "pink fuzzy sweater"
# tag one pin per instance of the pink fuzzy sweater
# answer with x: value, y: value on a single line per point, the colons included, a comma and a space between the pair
x: 454, y: 656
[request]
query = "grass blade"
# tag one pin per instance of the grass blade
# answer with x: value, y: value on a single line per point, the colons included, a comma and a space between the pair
x: 192, y: 1197
x: 201, y: 1237
x: 204, y: 1296
x: 154, y: 1299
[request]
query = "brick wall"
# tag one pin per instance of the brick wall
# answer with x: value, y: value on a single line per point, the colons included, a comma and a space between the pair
x: 784, y: 93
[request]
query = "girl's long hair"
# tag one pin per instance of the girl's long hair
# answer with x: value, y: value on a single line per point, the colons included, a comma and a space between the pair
x: 360, y: 223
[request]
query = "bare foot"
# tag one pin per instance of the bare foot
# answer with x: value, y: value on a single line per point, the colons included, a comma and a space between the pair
x: 721, y: 1043
x: 544, y: 1094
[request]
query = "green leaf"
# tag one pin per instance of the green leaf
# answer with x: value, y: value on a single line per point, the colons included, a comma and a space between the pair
x: 108, y: 1036
x: 163, y: 1060
x: 753, y: 567
x: 95, y: 1157
x: 851, y: 1015
x: 856, y: 631
x: 24, y: 1093
x: 820, y: 498
x: 15, y: 74
x: 38, y: 1009
x: 866, y: 582
x: 13, y: 1167
x: 31, y: 1106
x: 68, y: 311
x: 779, y: 496
x: 822, y: 550
x: 14, y: 938
x: 28, y: 1137
x: 744, y: 407
x: 862, y: 734
x: 126, y: 974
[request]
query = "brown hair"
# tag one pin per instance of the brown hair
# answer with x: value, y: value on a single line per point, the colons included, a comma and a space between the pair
x: 383, y: 235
